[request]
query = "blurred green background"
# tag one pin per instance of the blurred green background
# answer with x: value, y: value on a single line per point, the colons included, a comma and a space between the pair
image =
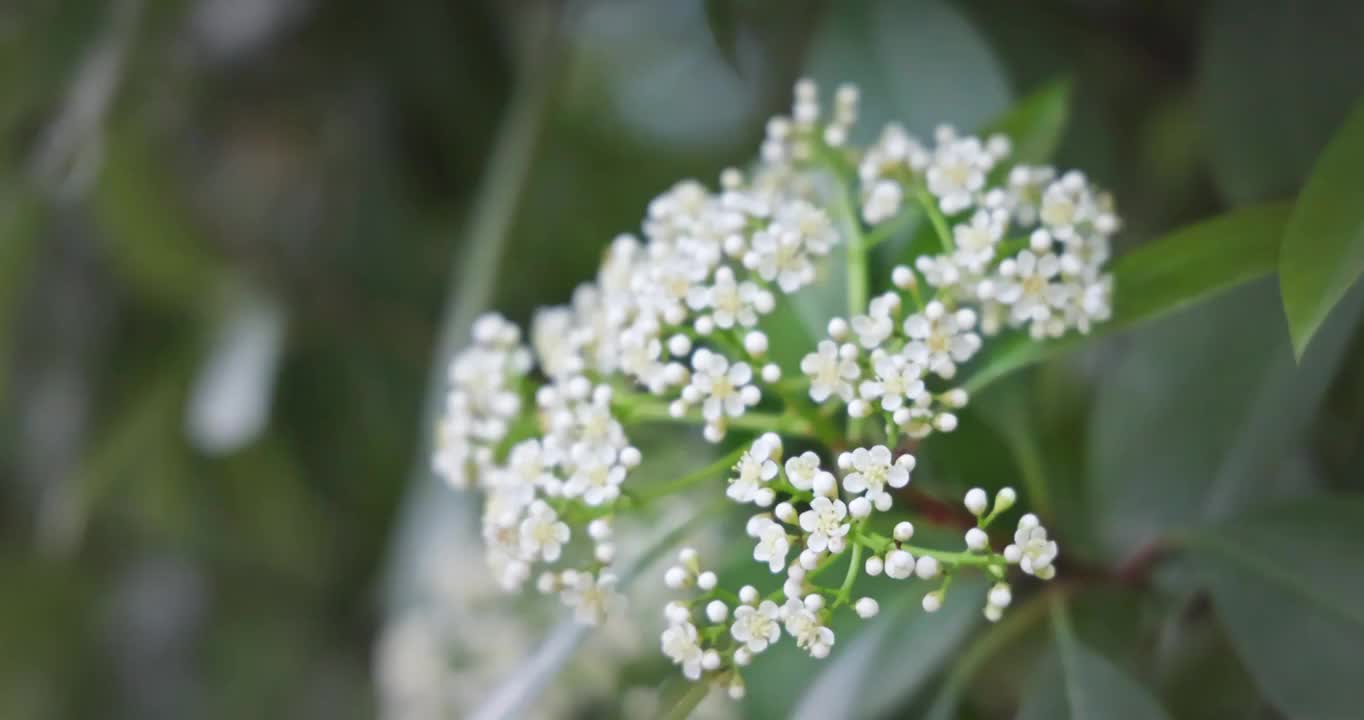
x: 236, y: 237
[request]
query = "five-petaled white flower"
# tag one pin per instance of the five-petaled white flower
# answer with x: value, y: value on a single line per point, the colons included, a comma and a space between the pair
x: 681, y: 645
x: 756, y: 627
x: 824, y: 522
x: 772, y: 547
x: 722, y: 387
x: 897, y: 380
x: 829, y: 372
x: 542, y: 533
x: 940, y: 339
x: 592, y: 598
x: 754, y: 470
x: 801, y: 470
x: 874, y: 470
x: 804, y: 626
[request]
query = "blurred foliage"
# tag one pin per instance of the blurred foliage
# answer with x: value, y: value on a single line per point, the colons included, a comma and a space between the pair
x: 164, y: 164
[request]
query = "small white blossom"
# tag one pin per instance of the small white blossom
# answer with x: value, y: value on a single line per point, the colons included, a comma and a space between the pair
x: 542, y: 533
x: 873, y: 471
x: 829, y: 372
x: 593, y: 598
x: 756, y: 626
x: 803, y: 625
x: 897, y: 380
x: 682, y: 645
x: 1031, y: 549
x: 772, y: 547
x: 940, y: 339
x: 824, y: 522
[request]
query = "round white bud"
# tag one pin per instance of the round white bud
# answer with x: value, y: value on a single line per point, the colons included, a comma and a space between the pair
x: 717, y: 611
x: 993, y: 613
x: 976, y: 539
x: 764, y: 497
x: 706, y: 581
x: 1012, y: 554
x: 859, y: 408
x: 903, y: 277
x: 755, y: 343
x: 679, y: 345
x: 859, y: 507
x: 866, y: 608
x: 945, y: 422
x: 824, y: 484
x: 742, y: 657
x: 899, y: 564
x: 1000, y: 595
x: 704, y: 325
x: 599, y: 529
x: 675, y: 578
x: 927, y: 567
x: 903, y: 531
x: 748, y: 594
x: 874, y: 566
x: 676, y: 612
x: 605, y: 552
x: 814, y: 602
x: 736, y: 686
x: 977, y: 501
x: 688, y: 556
x: 808, y: 559
x: 786, y: 512
x: 630, y: 457
x: 771, y: 373
x: 1005, y: 499
x: 838, y: 329
x: 710, y: 660
x: 932, y: 602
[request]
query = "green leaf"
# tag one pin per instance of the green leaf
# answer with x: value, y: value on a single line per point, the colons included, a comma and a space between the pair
x: 723, y: 23
x: 893, y: 658
x: 1161, y: 277
x: 1035, y: 124
x: 1082, y: 684
x: 1273, y: 84
x: 1323, y: 246
x: 1286, y: 584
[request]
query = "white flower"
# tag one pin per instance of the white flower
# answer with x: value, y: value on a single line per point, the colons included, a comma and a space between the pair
x: 873, y: 470
x: 756, y: 627
x: 975, y: 241
x: 730, y: 302
x: 803, y: 625
x: 940, y: 339
x: 592, y: 598
x: 722, y: 388
x: 681, y: 645
x: 801, y: 470
x: 1026, y: 285
x: 957, y: 170
x: 779, y: 256
x: 1031, y: 549
x: 755, y: 468
x: 897, y: 380
x: 597, y: 477
x: 772, y: 547
x: 829, y: 372
x: 824, y: 522
x: 542, y: 533
x: 882, y: 202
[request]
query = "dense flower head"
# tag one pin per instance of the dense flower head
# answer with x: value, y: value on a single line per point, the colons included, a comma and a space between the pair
x: 674, y: 327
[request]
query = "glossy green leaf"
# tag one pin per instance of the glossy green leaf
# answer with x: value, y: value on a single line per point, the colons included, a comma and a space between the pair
x: 1285, y: 582
x: 1161, y: 277
x: 1081, y: 684
x: 1323, y: 246
x: 1035, y: 124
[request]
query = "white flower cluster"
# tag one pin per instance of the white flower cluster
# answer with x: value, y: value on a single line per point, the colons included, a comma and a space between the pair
x: 482, y: 401
x: 883, y: 361
x: 678, y: 314
x: 1027, y: 247
x: 713, y: 265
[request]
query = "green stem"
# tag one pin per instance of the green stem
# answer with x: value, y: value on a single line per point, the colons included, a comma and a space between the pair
x: 936, y: 217
x: 879, y: 544
x: 642, y: 409
x: 855, y: 564
x: 723, y: 465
